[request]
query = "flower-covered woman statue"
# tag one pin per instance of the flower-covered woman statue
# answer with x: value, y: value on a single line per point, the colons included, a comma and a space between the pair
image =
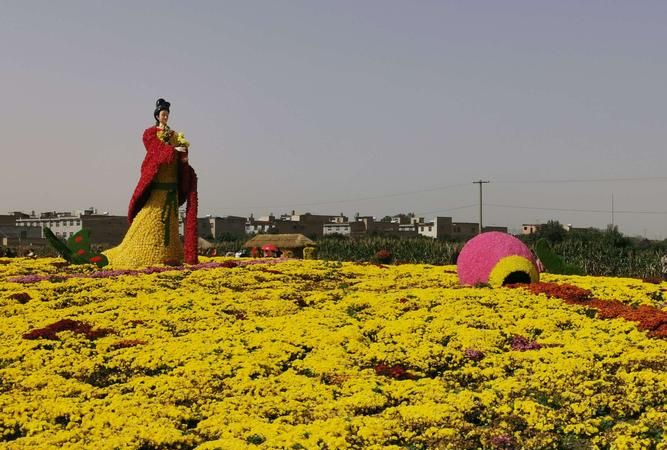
x: 167, y: 181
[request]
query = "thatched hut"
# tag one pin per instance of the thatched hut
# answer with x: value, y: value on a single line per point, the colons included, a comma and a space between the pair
x: 287, y: 243
x: 203, y: 244
x: 205, y: 247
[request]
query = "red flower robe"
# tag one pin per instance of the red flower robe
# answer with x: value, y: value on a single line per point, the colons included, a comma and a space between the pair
x: 158, y: 153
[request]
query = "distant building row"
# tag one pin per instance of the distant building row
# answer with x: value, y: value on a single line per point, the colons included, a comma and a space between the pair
x: 531, y: 228
x: 19, y: 228
x: 315, y: 226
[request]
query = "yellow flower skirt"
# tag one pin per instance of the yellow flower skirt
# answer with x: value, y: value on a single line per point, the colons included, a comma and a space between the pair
x: 153, y: 236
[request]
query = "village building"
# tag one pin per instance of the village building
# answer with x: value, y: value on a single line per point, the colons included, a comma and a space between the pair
x: 215, y: 228
x: 105, y: 230
x: 529, y: 228
x: 13, y: 236
x: 350, y: 229
x: 438, y: 228
x: 256, y: 226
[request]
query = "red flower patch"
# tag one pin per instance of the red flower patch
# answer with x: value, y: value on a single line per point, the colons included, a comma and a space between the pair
x: 660, y: 331
x: 229, y: 264
x: 383, y: 256
x: 59, y: 264
x: 21, y: 297
x: 50, y: 332
x: 127, y: 343
x: 396, y: 371
x: 473, y: 354
x: 648, y: 318
x: 562, y: 291
x: 503, y: 442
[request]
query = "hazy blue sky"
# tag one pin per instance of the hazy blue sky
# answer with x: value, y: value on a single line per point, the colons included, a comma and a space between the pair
x: 340, y: 106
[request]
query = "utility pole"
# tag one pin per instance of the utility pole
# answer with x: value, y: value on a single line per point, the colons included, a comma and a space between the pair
x: 480, y: 182
x: 612, y: 210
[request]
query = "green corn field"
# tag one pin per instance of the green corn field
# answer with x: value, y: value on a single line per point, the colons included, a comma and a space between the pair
x: 595, y: 257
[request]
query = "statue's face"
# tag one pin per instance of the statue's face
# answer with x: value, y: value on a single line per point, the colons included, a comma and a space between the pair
x: 163, y: 117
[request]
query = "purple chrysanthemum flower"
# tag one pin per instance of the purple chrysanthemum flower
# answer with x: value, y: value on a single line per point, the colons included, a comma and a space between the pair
x: 503, y: 442
x: 475, y: 355
x: 522, y: 344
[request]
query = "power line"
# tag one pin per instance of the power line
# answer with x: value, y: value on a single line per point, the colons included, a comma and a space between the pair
x: 445, y: 210
x: 601, y: 211
x: 582, y: 180
x: 451, y: 186
x: 376, y: 197
x: 458, y: 185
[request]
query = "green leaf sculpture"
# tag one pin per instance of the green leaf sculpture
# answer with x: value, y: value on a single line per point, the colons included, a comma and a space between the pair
x: 552, y: 262
x: 77, y: 250
x: 57, y: 244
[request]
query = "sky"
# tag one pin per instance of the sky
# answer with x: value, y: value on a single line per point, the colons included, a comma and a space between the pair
x: 376, y: 107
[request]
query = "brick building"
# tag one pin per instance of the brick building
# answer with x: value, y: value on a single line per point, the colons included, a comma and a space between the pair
x: 105, y: 230
x: 213, y: 227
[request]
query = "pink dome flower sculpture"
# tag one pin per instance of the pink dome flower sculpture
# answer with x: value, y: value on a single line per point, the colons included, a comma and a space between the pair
x: 496, y: 258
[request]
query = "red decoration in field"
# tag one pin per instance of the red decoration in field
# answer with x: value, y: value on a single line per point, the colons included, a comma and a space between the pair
x: 503, y: 442
x: 474, y: 355
x: 78, y: 239
x: 648, y: 318
x: 127, y: 343
x: 383, y: 256
x: 60, y: 264
x: 50, y: 332
x: 396, y: 371
x: 229, y: 264
x: 21, y: 297
x: 562, y: 291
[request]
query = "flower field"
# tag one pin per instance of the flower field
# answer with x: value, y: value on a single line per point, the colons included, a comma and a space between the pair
x: 292, y: 354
